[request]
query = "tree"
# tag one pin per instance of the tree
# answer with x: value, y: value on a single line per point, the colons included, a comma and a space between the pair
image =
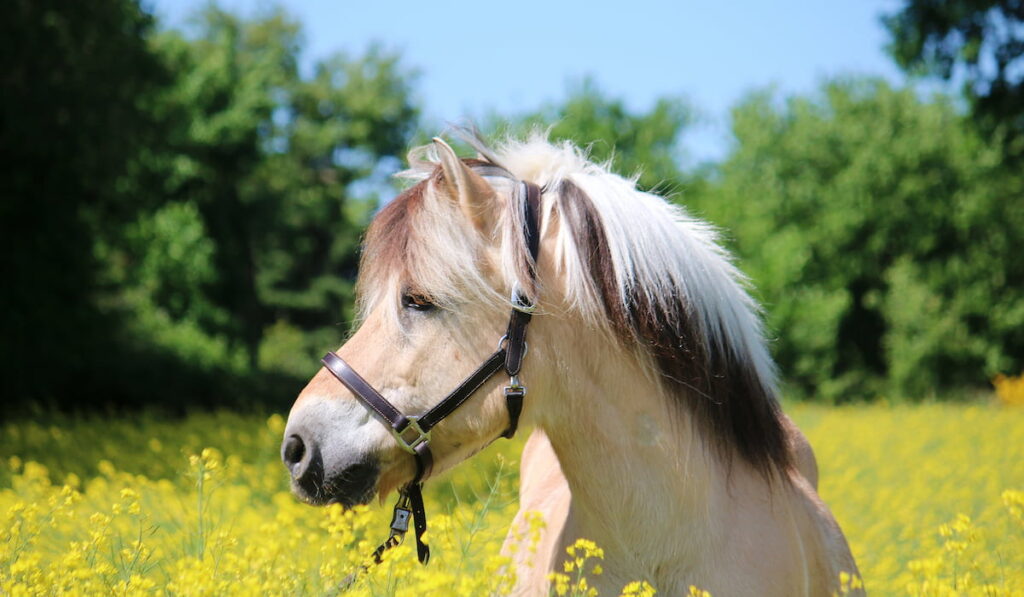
x: 980, y: 41
x: 181, y: 210
x: 276, y: 174
x: 78, y: 78
x: 880, y: 232
x: 647, y: 144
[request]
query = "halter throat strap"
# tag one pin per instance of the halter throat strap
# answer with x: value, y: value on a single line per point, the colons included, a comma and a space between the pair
x: 412, y: 432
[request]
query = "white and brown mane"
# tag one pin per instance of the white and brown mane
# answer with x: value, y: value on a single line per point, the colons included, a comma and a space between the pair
x: 659, y: 432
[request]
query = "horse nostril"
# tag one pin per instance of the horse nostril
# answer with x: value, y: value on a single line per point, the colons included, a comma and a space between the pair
x: 293, y: 451
x: 306, y: 465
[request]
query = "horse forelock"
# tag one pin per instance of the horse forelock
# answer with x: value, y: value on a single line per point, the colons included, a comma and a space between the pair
x: 419, y: 243
x: 385, y: 260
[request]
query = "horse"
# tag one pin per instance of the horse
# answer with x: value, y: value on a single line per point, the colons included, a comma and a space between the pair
x: 658, y: 432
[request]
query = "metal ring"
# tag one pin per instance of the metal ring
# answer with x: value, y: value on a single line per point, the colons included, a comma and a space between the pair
x: 504, y: 339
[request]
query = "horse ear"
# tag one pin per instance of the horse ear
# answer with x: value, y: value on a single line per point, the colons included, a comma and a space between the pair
x: 476, y: 198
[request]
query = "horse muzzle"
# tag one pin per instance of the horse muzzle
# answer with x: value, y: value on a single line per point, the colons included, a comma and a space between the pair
x: 320, y: 483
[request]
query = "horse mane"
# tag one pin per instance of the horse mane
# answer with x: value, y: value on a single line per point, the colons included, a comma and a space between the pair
x: 632, y: 264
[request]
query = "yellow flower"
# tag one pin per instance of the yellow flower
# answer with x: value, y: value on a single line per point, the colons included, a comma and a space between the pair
x: 1010, y: 390
x: 894, y: 475
x: 640, y: 588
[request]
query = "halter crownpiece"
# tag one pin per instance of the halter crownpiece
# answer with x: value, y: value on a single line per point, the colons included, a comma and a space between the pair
x: 412, y: 432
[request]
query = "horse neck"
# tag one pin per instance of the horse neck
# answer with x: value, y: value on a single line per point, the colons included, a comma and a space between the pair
x: 639, y: 471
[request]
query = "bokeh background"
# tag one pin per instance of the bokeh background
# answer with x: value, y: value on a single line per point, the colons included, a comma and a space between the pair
x: 185, y: 183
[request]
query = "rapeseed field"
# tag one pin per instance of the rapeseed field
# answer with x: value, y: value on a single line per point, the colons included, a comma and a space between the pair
x: 931, y: 498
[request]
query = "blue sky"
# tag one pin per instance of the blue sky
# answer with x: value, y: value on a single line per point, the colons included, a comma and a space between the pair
x: 514, y: 56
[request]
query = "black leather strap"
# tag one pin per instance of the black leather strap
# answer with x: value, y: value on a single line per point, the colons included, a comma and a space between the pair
x: 516, y: 346
x: 364, y: 391
x: 514, y: 404
x: 462, y: 393
x: 419, y: 520
x: 531, y: 220
x: 424, y: 462
x: 523, y: 305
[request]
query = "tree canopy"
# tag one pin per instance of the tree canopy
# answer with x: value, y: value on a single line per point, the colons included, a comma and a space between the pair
x: 880, y: 232
x: 182, y: 209
x: 66, y: 141
x: 645, y: 144
x: 980, y: 42
x: 275, y: 172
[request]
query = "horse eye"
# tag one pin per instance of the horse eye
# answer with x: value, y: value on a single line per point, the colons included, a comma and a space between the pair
x: 417, y: 302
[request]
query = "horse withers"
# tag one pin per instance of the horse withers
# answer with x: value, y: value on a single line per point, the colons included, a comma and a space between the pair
x: 658, y: 435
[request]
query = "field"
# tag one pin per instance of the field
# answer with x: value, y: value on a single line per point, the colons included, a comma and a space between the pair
x: 929, y: 496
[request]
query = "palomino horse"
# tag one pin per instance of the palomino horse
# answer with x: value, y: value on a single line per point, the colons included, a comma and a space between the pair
x: 659, y: 433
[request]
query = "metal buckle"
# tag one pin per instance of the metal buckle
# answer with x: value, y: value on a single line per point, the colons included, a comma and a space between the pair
x: 409, y: 445
x: 515, y: 386
x: 400, y: 519
x: 519, y: 300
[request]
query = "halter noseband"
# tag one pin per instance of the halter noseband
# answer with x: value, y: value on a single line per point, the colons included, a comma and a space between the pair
x: 412, y: 432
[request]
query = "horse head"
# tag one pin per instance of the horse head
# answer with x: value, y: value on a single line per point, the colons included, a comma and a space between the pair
x: 439, y: 264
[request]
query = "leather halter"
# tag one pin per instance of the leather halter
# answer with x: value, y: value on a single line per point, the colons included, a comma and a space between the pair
x: 412, y: 432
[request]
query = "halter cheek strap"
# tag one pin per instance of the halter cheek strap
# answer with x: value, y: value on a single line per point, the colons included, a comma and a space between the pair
x: 413, y: 432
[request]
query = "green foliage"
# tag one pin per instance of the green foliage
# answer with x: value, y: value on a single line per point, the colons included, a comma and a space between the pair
x: 176, y: 194
x: 877, y: 228
x: 271, y: 160
x: 642, y: 143
x: 284, y: 348
x: 879, y: 232
x: 182, y: 210
x: 980, y: 42
x: 66, y: 142
x: 174, y: 260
